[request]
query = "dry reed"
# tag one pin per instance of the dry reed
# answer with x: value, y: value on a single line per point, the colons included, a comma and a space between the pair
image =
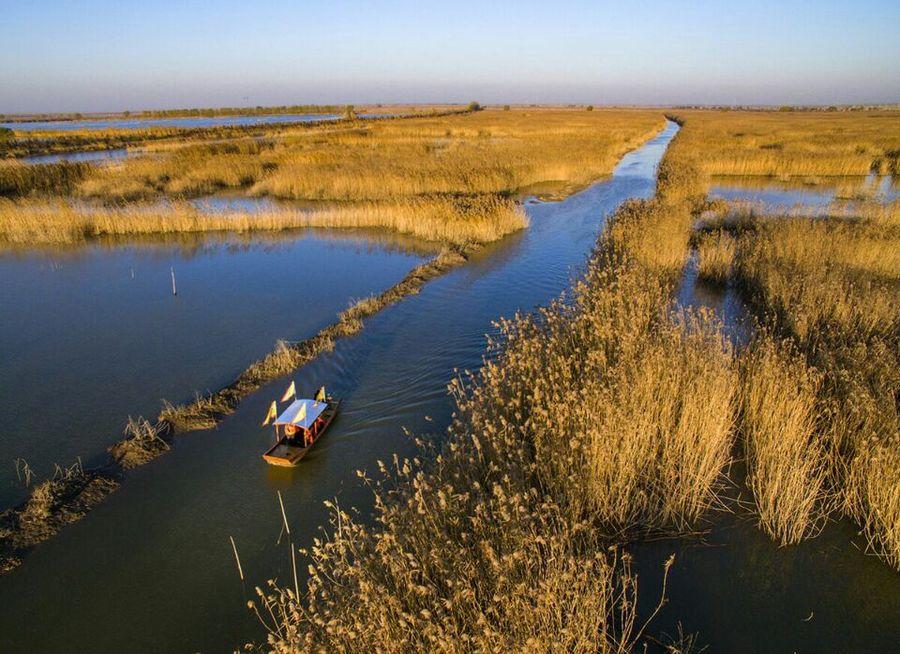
x: 787, y: 460
x: 143, y: 443
x: 829, y: 285
x: 449, y: 220
x: 802, y: 145
x: 605, y: 416
x: 17, y: 179
x: 715, y: 254
x: 481, y: 152
x: 60, y: 500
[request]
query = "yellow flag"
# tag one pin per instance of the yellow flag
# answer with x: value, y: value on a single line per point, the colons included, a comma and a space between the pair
x: 290, y: 392
x: 320, y: 395
x: 272, y: 414
x: 301, y: 414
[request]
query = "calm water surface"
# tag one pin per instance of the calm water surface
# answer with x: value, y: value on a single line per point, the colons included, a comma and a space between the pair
x: 91, y: 335
x: 88, y: 156
x: 151, y: 568
x: 804, y: 198
x: 187, y: 121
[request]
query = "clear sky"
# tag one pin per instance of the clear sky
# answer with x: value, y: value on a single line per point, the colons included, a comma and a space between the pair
x: 82, y: 55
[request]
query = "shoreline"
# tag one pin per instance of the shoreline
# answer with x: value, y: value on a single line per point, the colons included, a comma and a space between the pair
x: 76, y: 496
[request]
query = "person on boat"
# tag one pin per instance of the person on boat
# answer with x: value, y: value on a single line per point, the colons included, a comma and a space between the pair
x: 320, y: 395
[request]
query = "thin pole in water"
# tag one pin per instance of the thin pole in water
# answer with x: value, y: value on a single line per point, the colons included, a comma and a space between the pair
x: 174, y: 289
x: 283, y: 515
x: 287, y: 529
x: 294, y: 565
x: 237, y: 559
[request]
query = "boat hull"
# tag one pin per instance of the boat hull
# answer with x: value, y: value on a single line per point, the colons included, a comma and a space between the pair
x: 287, y: 455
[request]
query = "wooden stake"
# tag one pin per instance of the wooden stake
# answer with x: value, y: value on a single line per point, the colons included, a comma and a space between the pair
x: 174, y: 289
x: 287, y: 527
x: 237, y: 559
x: 294, y: 565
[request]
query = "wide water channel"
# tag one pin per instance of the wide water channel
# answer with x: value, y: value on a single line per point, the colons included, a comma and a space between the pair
x: 91, y: 335
x: 151, y: 568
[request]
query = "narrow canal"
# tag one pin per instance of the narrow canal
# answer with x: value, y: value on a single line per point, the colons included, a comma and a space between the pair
x: 151, y: 568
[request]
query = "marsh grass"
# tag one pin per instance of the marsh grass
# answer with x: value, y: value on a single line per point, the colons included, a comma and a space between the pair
x: 60, y: 500
x: 449, y: 178
x: 787, y: 453
x: 447, y: 219
x: 17, y: 179
x: 143, y: 442
x: 819, y: 411
x: 804, y: 145
x: 604, y: 417
x: 480, y: 152
x: 831, y: 286
x: 715, y: 255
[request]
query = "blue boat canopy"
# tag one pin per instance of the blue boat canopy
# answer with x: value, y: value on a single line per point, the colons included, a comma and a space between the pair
x: 297, y: 416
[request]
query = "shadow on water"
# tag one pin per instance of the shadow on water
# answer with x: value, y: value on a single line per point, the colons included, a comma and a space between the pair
x: 724, y: 301
x: 153, y: 563
x: 737, y: 588
x: 741, y: 592
x: 151, y: 569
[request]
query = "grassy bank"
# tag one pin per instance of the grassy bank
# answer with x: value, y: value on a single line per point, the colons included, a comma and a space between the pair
x: 604, y: 418
x: 456, y: 220
x: 805, y: 145
x: 819, y: 415
x: 460, y: 220
x: 52, y: 504
x: 451, y: 178
x: 831, y: 287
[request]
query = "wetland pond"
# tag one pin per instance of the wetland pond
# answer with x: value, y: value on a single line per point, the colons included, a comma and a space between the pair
x: 795, y: 197
x: 151, y: 568
x: 90, y: 335
x: 183, y: 121
x: 84, y: 156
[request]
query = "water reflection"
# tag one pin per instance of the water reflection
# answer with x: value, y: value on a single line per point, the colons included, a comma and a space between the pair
x: 191, y: 244
x: 77, y: 157
x: 154, y: 560
x: 773, y: 195
x: 95, y: 332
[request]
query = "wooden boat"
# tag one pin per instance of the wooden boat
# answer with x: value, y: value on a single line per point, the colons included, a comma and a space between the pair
x: 298, y: 428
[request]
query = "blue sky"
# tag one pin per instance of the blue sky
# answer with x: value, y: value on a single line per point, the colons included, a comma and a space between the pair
x: 80, y: 55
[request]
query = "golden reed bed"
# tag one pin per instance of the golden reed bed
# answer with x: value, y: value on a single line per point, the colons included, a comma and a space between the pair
x: 448, y: 178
